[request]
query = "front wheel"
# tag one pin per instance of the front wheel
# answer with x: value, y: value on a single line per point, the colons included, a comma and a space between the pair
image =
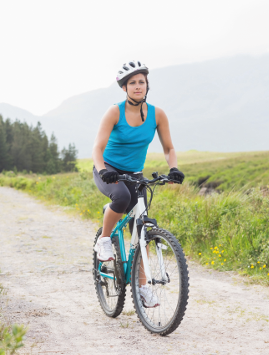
x: 172, y: 294
x: 111, y: 290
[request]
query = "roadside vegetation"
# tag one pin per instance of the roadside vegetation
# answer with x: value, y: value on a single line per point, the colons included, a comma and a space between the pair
x: 11, y: 336
x: 225, y: 231
x: 224, y: 171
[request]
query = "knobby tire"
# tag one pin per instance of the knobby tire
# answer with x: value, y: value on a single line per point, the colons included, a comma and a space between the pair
x: 116, y: 308
x: 180, y: 283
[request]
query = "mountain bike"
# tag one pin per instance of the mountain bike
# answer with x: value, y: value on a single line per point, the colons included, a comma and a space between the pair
x: 155, y: 258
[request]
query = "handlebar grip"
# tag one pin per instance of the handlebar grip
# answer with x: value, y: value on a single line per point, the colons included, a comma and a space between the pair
x: 176, y: 181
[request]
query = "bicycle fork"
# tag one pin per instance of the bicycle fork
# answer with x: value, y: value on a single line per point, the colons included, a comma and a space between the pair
x: 159, y: 247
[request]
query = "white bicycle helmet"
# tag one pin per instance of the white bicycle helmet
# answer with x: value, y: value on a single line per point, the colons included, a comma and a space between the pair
x: 129, y: 69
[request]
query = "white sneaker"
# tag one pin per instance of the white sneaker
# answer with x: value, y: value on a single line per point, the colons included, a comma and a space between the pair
x: 150, y: 300
x: 103, y: 247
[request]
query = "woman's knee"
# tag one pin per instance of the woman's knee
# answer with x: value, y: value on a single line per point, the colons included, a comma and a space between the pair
x: 121, y: 201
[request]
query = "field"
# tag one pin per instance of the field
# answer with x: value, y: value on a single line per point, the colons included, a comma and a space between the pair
x: 225, y: 231
x: 224, y: 170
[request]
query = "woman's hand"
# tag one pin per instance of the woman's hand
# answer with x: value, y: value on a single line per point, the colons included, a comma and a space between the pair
x: 176, y: 175
x: 109, y: 177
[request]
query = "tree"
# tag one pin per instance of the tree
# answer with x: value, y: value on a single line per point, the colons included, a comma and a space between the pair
x: 53, y: 165
x: 69, y: 157
x: 4, y: 157
x: 37, y: 149
x: 28, y: 148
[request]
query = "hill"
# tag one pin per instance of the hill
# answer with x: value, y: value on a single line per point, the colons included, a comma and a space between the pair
x: 219, y: 105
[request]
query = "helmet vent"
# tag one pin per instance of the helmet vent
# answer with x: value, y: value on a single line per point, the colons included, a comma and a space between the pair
x: 120, y: 72
x: 139, y: 64
x: 126, y: 68
x: 132, y: 64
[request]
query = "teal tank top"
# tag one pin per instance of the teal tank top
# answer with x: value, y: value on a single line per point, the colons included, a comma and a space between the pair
x: 127, y: 146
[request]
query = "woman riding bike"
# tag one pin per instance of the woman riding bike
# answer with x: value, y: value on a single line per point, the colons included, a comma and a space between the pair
x: 120, y: 147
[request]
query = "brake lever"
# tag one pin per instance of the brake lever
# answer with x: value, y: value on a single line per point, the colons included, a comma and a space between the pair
x: 176, y: 182
x: 165, y: 179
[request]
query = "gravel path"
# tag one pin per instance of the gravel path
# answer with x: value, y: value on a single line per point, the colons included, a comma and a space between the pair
x: 45, y: 262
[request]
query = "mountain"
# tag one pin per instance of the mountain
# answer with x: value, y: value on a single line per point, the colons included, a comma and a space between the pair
x: 217, y: 105
x: 13, y: 112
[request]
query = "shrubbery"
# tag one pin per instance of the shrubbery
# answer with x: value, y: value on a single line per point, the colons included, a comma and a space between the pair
x: 11, y: 336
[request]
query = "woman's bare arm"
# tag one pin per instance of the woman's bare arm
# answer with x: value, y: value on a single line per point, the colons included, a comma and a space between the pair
x: 109, y: 120
x: 165, y: 137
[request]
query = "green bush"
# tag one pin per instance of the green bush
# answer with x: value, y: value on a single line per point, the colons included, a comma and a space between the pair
x: 11, y: 338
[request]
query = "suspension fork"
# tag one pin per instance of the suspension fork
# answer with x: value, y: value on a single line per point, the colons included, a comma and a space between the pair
x: 143, y: 248
x: 159, y: 247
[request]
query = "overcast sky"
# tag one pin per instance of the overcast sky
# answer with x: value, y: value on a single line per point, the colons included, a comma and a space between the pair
x: 53, y: 49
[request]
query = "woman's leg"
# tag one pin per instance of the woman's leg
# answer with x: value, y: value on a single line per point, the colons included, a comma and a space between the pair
x: 142, y: 275
x: 120, y: 196
x: 110, y: 220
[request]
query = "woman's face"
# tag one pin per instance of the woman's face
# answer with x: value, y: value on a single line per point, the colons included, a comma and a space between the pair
x: 137, y: 87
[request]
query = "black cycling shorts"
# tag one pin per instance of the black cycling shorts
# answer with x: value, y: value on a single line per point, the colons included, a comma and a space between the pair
x: 122, y: 195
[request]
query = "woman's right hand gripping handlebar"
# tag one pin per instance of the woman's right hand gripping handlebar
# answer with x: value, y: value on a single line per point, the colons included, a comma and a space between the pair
x: 109, y: 177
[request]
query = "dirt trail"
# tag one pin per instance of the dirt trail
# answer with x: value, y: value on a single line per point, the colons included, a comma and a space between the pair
x: 45, y: 262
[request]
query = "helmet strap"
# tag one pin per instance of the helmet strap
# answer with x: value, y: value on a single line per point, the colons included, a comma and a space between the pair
x: 138, y: 103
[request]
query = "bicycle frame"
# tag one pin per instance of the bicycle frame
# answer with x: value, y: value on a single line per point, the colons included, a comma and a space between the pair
x: 138, y: 211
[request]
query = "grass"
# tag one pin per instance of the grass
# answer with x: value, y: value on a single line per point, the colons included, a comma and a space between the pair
x: 227, y: 231
x: 11, y: 336
x: 223, y: 170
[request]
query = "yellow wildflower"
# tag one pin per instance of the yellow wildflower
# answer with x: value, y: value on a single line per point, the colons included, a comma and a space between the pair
x: 200, y: 253
x: 81, y: 214
x: 98, y: 212
x: 216, y: 248
x: 264, y: 266
x: 207, y: 264
x: 224, y: 259
x: 221, y: 264
x: 222, y: 251
x: 89, y: 211
x: 252, y: 266
x: 220, y: 245
x: 37, y: 182
x: 212, y: 262
x: 211, y: 248
x: 258, y: 262
x: 219, y: 255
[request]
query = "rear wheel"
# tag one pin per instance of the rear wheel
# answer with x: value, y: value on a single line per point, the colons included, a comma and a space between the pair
x: 110, y: 291
x: 171, y: 293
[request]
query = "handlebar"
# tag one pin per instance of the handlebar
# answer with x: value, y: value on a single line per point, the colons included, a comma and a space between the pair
x: 162, y: 178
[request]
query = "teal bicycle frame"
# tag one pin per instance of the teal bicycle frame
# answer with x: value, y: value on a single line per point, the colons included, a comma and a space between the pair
x: 137, y: 212
x: 118, y: 232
